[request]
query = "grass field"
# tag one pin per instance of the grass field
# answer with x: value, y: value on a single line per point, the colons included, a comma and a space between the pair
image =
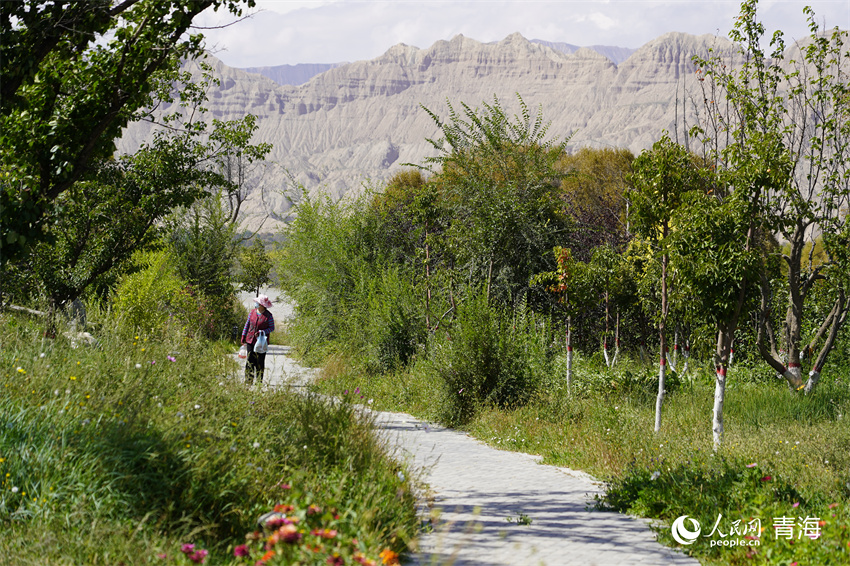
x: 783, y: 456
x: 143, y: 450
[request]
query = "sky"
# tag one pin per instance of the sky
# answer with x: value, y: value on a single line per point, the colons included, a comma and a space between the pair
x: 333, y: 31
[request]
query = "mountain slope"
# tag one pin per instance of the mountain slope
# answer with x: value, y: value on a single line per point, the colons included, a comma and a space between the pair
x: 364, y: 120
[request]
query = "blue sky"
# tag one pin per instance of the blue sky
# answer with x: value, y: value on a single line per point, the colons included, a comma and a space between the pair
x: 331, y: 31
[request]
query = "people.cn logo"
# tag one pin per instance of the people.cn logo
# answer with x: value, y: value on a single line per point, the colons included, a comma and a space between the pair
x: 682, y: 534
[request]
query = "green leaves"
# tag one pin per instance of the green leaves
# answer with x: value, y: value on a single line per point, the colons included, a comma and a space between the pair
x: 74, y: 74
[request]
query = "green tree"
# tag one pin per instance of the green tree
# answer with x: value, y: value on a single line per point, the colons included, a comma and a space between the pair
x: 255, y: 267
x: 594, y: 187
x: 498, y: 180
x: 74, y: 74
x: 784, y: 130
x: 662, y: 176
x: 716, y: 254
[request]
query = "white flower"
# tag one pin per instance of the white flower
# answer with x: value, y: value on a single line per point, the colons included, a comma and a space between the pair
x: 256, y: 444
x: 400, y: 476
x: 655, y: 475
x: 41, y: 355
x: 197, y: 406
x: 138, y: 366
x: 15, y: 489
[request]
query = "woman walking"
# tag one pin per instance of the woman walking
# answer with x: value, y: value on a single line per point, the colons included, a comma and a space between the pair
x: 259, y: 320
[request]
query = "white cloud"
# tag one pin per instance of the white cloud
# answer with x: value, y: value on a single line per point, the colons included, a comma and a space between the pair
x: 329, y: 31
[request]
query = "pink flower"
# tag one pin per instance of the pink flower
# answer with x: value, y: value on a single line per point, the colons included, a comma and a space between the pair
x: 797, y: 504
x: 187, y: 548
x: 199, y: 557
x: 766, y: 478
x: 753, y: 465
x: 172, y: 359
x: 241, y: 550
x: 832, y: 505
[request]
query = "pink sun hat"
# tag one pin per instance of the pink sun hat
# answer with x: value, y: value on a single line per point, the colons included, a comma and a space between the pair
x: 264, y: 301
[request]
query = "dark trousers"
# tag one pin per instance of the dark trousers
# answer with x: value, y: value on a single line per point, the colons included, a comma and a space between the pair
x: 254, y: 366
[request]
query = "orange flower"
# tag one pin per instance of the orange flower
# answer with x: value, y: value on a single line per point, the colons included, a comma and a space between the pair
x: 389, y: 557
x: 268, y: 555
x: 281, y: 508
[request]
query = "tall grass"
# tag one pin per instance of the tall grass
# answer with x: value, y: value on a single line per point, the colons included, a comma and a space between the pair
x: 122, y: 451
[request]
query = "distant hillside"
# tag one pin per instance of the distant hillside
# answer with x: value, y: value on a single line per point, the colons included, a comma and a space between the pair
x: 616, y: 54
x: 360, y: 122
x: 292, y: 74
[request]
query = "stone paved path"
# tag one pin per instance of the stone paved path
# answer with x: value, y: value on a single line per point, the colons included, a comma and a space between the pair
x: 476, y: 489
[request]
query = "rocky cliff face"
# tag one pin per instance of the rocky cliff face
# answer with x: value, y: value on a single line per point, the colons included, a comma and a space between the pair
x: 362, y: 121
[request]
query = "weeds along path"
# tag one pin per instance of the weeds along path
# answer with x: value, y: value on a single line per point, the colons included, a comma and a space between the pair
x: 494, y: 507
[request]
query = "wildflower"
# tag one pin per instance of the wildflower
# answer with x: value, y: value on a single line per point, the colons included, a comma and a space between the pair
x: 357, y: 391
x: 287, y: 533
x: 268, y: 555
x: 153, y: 362
x: 655, y: 475
x: 285, y: 486
x: 753, y: 465
x: 832, y: 505
x: 281, y: 508
x: 324, y: 533
x: 241, y: 550
x: 335, y: 560
x: 766, y: 478
x: 162, y: 556
x: 314, y: 510
x: 21, y: 370
x: 138, y: 366
x: 187, y: 548
x: 197, y: 407
x: 172, y: 359
x: 797, y: 504
x: 388, y: 556
x: 256, y: 445
x: 14, y: 489
x: 41, y: 355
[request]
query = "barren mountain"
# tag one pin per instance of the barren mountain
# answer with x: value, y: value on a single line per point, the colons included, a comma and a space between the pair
x: 360, y: 122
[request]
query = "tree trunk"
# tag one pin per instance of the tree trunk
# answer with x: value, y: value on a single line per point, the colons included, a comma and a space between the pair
x: 662, y: 368
x: 721, y: 363
x: 568, y: 339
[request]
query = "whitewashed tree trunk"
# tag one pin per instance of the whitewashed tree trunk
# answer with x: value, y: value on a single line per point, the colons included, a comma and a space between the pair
x: 568, y: 340
x: 659, y: 400
x: 719, y: 398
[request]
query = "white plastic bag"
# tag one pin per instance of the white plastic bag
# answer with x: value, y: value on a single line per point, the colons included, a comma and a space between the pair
x: 243, y: 352
x: 262, y: 343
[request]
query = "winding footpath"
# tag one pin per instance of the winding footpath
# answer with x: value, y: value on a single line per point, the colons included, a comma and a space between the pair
x: 476, y: 489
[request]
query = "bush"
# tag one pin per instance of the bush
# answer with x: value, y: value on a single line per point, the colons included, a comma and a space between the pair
x: 488, y: 356
x: 153, y: 298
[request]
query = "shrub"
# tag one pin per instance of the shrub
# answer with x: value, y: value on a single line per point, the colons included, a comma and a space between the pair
x: 489, y: 356
x: 154, y: 297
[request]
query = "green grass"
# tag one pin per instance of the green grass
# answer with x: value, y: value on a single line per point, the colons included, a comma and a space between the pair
x: 125, y: 451
x: 802, y: 444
